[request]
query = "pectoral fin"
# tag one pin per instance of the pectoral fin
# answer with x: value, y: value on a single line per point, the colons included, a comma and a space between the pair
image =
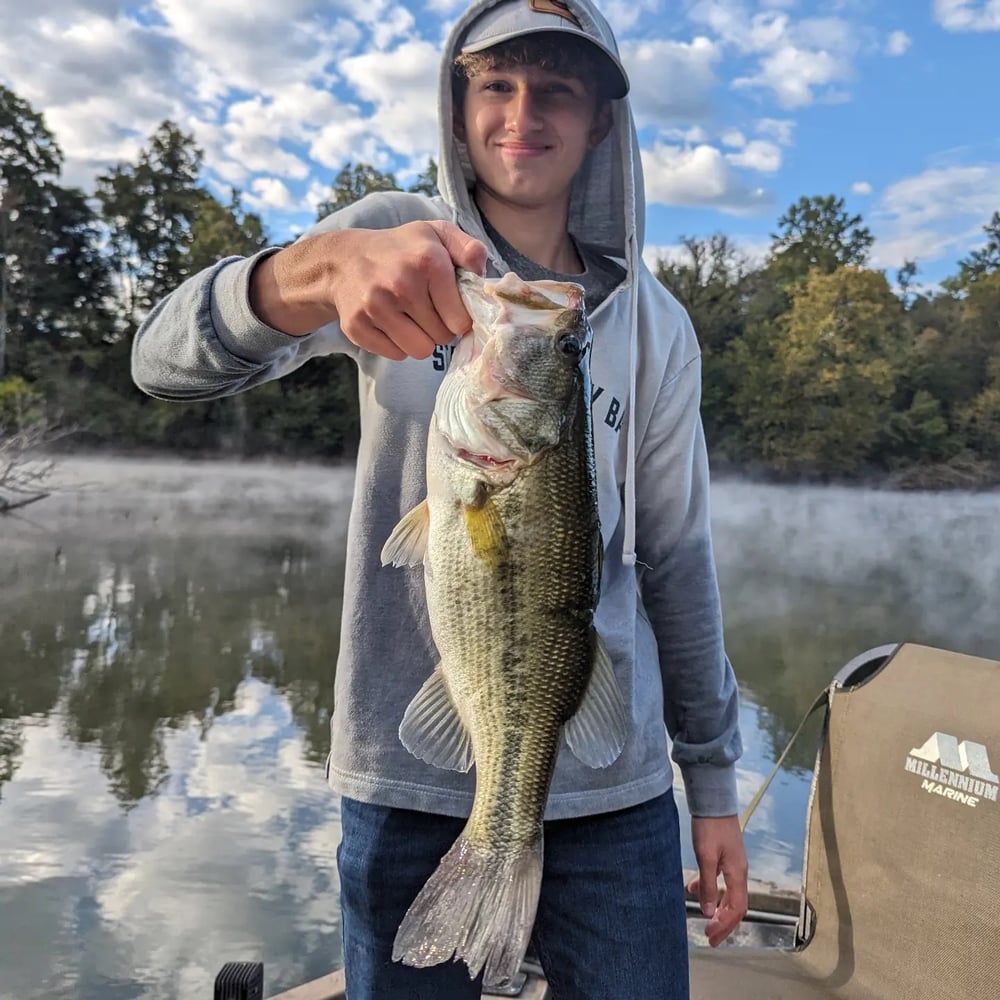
x: 408, y: 542
x: 487, y: 532
x: 596, y: 734
x: 432, y: 730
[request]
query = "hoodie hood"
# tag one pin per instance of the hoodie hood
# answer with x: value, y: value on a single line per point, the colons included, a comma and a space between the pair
x: 607, y: 206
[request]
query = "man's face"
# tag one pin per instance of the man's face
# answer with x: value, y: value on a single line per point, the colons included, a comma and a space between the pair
x: 527, y: 131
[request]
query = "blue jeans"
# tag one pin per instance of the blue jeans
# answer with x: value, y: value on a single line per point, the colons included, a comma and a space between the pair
x: 611, y: 921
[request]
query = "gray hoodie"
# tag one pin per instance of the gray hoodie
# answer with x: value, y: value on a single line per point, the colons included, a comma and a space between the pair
x: 659, y: 612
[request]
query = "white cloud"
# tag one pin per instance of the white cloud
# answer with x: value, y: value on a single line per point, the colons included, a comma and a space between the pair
x: 937, y: 213
x: 734, y: 138
x: 624, y: 15
x: 778, y: 129
x: 250, y: 138
x: 861, y: 187
x: 897, y: 43
x: 671, y: 81
x: 255, y: 45
x: 697, y: 176
x: 798, y: 61
x: 968, y: 15
x: 402, y: 86
x: 234, y: 856
x: 396, y: 23
x: 794, y: 73
x: 269, y: 192
x: 693, y: 136
x: 759, y: 155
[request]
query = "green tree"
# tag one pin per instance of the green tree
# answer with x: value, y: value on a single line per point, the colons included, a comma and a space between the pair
x: 918, y: 434
x: 53, y: 279
x: 981, y: 262
x: 818, y: 234
x: 905, y: 277
x: 427, y: 181
x: 711, y: 281
x: 980, y: 418
x: 352, y: 183
x: 150, y: 207
x: 219, y: 231
x: 818, y: 382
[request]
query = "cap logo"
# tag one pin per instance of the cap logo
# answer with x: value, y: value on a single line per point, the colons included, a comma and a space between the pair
x: 554, y: 7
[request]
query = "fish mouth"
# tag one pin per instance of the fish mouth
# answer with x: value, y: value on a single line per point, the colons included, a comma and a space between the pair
x: 484, y: 461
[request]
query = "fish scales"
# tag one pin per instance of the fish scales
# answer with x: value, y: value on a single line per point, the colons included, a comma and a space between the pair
x: 525, y: 681
x: 509, y: 538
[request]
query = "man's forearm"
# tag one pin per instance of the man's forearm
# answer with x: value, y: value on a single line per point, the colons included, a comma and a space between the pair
x: 287, y: 290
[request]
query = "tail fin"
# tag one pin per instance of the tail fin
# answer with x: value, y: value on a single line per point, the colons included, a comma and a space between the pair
x: 479, y: 905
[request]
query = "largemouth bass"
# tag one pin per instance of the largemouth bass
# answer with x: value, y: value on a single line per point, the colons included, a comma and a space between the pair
x: 511, y: 547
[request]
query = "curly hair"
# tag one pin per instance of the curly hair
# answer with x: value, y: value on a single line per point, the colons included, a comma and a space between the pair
x: 554, y: 52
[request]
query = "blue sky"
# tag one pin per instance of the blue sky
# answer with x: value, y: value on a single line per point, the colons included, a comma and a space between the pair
x: 743, y: 105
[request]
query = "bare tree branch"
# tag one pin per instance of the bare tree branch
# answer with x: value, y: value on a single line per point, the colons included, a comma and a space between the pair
x: 25, y: 468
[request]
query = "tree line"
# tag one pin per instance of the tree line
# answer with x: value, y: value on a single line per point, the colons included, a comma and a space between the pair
x: 816, y: 364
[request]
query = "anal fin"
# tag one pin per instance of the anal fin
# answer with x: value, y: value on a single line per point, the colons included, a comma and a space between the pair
x: 432, y: 729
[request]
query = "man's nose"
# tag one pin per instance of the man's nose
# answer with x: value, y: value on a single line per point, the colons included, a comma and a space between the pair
x: 523, y: 112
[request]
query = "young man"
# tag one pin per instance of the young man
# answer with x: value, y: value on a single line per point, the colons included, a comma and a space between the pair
x: 540, y: 173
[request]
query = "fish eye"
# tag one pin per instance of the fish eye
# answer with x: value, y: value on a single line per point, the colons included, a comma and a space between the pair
x: 570, y: 344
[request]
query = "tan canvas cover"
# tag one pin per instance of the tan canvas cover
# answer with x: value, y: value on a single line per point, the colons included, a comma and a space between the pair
x: 902, y: 871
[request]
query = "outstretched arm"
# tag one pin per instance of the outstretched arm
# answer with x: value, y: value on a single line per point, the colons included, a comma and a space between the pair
x: 393, y: 291
x: 362, y: 279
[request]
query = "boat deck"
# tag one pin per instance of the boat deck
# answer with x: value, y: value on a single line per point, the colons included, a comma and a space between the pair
x: 769, y: 924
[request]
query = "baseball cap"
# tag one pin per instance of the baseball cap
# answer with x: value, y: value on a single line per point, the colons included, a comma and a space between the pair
x: 514, y: 18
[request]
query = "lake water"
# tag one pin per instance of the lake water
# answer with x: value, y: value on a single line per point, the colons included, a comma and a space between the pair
x: 168, y: 633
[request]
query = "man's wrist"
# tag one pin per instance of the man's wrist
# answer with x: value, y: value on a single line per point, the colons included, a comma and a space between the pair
x: 283, y: 292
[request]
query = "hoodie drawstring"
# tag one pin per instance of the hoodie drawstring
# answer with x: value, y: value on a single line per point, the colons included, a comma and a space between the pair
x: 628, y: 545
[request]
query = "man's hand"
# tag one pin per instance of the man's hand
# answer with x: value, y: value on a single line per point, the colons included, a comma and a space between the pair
x: 393, y: 290
x: 718, y: 846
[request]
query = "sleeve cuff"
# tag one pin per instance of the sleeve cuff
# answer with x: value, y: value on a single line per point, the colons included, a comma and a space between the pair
x: 710, y: 790
x: 239, y: 330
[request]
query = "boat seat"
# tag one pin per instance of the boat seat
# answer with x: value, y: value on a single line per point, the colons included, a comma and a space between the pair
x: 901, y: 881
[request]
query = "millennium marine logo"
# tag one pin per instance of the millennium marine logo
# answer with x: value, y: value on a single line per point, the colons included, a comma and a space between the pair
x: 957, y: 770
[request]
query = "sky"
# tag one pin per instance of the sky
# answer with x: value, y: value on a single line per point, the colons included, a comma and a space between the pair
x: 743, y: 106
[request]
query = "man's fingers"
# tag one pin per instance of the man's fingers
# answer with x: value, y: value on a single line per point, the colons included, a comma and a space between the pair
x: 708, y: 888
x: 723, y: 923
x: 732, y: 906
x: 363, y: 332
x: 465, y: 250
x: 410, y: 338
x: 736, y: 895
x: 447, y: 304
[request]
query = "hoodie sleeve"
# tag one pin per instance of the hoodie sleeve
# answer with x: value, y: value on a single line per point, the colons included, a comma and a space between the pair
x: 203, y: 340
x: 680, y: 594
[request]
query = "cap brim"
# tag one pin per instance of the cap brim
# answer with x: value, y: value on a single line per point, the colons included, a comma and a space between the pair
x: 617, y: 78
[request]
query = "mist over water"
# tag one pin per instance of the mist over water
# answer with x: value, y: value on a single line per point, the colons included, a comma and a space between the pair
x: 168, y: 638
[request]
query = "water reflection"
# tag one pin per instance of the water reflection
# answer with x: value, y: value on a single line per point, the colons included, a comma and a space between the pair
x: 134, y: 634
x: 167, y: 646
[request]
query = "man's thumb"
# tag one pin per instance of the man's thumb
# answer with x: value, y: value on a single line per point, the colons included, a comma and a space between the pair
x: 465, y: 250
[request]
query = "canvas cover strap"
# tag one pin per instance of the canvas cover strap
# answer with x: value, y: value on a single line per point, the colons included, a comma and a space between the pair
x: 822, y: 699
